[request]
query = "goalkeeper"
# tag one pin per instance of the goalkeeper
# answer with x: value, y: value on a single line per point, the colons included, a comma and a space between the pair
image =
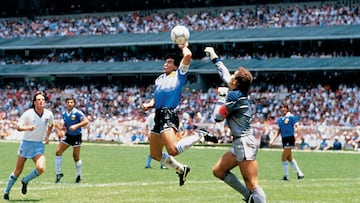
x: 234, y: 106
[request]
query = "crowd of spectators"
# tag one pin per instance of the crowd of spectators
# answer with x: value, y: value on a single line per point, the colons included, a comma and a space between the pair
x: 154, y: 21
x: 110, y: 106
x: 150, y: 21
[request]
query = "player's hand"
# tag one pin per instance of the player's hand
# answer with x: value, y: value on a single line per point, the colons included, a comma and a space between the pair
x: 46, y: 140
x: 271, y: 143
x: 182, y: 46
x: 222, y: 94
x: 145, y: 106
x: 31, y: 127
x: 209, y: 51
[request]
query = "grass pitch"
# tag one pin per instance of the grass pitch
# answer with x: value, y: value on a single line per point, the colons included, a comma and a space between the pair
x: 115, y: 173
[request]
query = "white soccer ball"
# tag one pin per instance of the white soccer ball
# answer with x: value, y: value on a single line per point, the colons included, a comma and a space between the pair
x: 180, y: 34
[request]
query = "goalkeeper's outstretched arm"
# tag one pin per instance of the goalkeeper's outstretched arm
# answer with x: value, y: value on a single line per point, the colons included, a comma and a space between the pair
x: 220, y: 66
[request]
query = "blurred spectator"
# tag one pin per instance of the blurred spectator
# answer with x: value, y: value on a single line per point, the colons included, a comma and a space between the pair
x: 323, y: 145
x: 304, y: 145
x: 337, y: 145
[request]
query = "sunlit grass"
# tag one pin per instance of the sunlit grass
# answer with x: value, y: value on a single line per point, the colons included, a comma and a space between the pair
x: 115, y: 173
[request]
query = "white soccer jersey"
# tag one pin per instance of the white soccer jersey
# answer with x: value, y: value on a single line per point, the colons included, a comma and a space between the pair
x: 30, y: 117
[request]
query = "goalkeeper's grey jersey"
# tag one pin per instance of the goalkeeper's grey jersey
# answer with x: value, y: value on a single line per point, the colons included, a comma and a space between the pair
x: 240, y: 114
x: 238, y: 104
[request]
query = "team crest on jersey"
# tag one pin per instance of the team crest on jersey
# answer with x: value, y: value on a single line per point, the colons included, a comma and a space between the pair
x: 286, y: 121
x: 72, y: 117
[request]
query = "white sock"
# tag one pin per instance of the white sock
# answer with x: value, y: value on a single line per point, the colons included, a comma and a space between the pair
x: 296, y: 167
x: 58, y: 163
x: 78, y: 166
x: 170, y: 162
x: 285, y: 168
x: 186, y: 142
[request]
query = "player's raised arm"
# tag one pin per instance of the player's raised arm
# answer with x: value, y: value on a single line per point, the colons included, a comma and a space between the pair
x: 187, y: 54
x: 220, y: 66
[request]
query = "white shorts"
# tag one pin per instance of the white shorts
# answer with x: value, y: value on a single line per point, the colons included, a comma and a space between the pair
x: 244, y: 148
x: 29, y: 149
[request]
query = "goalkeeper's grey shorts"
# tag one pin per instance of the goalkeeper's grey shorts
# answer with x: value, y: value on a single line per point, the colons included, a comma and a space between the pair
x: 244, y: 148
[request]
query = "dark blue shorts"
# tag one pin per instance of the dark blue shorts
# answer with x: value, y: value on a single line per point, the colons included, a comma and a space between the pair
x: 165, y: 118
x: 73, y: 140
x: 288, y: 142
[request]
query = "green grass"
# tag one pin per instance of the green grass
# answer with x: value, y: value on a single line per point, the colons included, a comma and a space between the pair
x: 115, y: 173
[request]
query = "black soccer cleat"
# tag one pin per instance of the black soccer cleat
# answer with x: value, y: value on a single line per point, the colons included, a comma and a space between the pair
x: 207, y: 136
x: 182, y: 176
x: 58, y: 177
x: 6, y: 196
x: 285, y: 178
x: 24, y: 188
x: 78, y: 179
x: 300, y: 176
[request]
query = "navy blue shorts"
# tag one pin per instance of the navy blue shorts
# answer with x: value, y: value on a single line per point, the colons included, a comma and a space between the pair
x: 165, y: 118
x: 288, y: 142
x: 73, y: 140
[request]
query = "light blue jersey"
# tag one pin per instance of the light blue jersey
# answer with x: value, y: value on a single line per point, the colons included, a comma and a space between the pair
x: 167, y: 93
x: 74, y: 117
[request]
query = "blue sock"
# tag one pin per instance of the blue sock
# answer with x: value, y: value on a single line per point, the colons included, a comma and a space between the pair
x: 148, y: 161
x: 12, y: 179
x: 33, y: 174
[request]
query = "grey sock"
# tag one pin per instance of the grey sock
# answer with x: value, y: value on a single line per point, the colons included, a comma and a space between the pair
x: 258, y: 195
x: 234, y: 182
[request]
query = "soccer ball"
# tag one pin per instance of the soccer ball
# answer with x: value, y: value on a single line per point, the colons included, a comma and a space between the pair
x: 180, y: 34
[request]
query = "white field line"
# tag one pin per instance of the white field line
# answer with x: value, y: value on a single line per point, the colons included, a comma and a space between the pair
x: 52, y: 185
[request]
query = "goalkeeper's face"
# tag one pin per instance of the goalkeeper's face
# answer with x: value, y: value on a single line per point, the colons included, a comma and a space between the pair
x: 169, y: 66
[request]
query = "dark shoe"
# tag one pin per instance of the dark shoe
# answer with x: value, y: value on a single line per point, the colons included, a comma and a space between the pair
x: 78, y: 179
x: 147, y: 167
x: 285, y: 178
x: 163, y: 167
x: 6, y: 196
x: 206, y: 136
x: 24, y: 187
x: 300, y: 177
x: 182, y: 176
x: 58, y: 177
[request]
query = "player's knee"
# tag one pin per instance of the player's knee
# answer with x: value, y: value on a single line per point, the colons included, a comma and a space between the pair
x: 219, y: 174
x: 58, y: 152
x: 40, y: 169
x: 173, y: 152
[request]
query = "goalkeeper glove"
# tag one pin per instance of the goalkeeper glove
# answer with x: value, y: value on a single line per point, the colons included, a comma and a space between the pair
x: 209, y: 51
x: 222, y: 94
